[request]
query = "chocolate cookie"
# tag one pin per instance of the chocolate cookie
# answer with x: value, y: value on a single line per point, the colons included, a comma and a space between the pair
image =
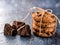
x: 25, y: 31
x: 8, y: 30
x: 17, y: 24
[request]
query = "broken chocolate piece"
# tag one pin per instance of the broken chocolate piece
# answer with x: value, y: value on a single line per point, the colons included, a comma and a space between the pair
x: 8, y: 30
x: 25, y: 31
x: 17, y: 24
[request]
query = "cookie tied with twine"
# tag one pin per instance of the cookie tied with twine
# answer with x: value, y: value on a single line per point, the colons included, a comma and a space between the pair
x: 44, y: 22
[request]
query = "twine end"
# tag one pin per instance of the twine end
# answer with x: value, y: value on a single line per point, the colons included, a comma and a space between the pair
x: 32, y: 8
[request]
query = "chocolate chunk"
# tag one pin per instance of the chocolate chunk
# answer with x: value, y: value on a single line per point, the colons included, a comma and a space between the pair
x: 37, y: 12
x: 8, y: 30
x: 25, y: 31
x: 52, y: 16
x: 39, y: 15
x: 17, y: 24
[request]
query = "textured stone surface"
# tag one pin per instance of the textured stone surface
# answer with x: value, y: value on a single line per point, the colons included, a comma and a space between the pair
x: 11, y: 10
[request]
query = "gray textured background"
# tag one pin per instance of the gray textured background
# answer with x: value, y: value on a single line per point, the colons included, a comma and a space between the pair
x: 11, y: 10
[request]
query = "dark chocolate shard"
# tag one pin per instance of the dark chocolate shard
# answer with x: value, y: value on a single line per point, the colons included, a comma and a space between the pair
x: 25, y: 31
x: 17, y: 24
x: 9, y: 31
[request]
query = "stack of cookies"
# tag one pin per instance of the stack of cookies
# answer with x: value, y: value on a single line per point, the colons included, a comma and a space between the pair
x: 44, y: 25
